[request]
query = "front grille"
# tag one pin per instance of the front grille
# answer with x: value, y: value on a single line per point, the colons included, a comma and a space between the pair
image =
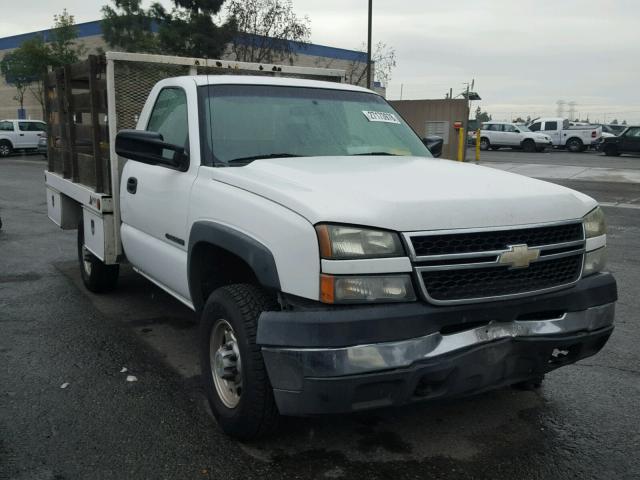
x: 470, y: 266
x: 476, y: 283
x: 446, y: 244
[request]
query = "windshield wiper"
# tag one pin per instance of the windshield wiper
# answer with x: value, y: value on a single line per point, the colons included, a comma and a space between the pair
x: 246, y: 160
x: 376, y: 153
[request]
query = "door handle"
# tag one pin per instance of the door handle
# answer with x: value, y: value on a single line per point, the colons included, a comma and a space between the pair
x: 21, y: 134
x: 132, y: 185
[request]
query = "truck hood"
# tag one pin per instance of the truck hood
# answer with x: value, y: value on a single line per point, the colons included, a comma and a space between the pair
x: 405, y: 193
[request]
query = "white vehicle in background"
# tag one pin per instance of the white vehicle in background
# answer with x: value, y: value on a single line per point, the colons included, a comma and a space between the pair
x: 563, y: 135
x: 20, y: 135
x: 495, y: 135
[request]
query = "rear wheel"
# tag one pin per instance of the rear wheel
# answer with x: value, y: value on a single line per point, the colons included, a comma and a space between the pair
x: 484, y: 143
x: 529, y: 146
x: 575, y: 145
x: 5, y: 148
x: 97, y: 276
x: 233, y: 371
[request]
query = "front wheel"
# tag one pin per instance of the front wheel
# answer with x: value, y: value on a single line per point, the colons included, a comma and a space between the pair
x: 529, y: 146
x: 97, y: 276
x: 5, y: 148
x: 484, y: 143
x: 233, y: 370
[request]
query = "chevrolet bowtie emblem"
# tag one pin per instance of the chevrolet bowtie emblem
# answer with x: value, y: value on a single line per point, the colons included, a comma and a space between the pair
x: 519, y: 256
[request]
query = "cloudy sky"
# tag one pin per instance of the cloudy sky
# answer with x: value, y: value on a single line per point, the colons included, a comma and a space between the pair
x: 523, y: 55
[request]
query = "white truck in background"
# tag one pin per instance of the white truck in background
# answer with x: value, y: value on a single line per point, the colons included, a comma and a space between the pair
x: 563, y: 135
x: 334, y: 264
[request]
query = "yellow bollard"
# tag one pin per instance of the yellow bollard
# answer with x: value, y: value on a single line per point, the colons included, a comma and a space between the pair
x: 461, y: 144
x: 477, y: 145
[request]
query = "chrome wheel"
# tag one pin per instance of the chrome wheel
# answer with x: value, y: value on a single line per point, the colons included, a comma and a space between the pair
x: 225, y: 363
x: 5, y: 150
x: 86, y: 260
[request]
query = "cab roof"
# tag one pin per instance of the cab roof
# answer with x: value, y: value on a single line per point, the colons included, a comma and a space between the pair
x: 276, y: 81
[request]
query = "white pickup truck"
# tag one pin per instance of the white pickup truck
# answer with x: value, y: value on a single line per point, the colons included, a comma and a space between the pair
x: 20, y: 135
x: 334, y: 264
x: 563, y: 135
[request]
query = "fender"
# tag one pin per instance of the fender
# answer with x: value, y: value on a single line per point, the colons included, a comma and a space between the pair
x: 254, y: 254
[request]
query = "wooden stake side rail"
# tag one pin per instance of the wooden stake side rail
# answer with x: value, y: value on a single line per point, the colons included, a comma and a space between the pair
x: 76, y: 114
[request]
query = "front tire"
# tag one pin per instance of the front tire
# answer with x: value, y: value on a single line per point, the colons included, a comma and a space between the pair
x: 5, y: 148
x: 97, y: 276
x: 611, y: 151
x: 233, y: 370
x: 484, y: 143
x: 529, y: 146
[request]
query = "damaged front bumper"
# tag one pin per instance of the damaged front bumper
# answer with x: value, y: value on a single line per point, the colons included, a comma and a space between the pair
x: 464, y: 350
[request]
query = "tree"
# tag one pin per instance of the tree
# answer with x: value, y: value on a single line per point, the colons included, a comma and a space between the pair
x: 482, y: 116
x: 267, y: 30
x: 27, y: 66
x: 624, y: 122
x: 189, y: 30
x: 62, y: 40
x: 17, y: 72
x: 129, y: 27
x: 614, y: 121
x: 519, y: 120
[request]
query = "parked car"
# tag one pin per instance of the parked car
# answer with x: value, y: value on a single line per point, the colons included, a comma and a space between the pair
x: 335, y: 265
x: 42, y: 146
x: 627, y: 142
x: 20, y: 135
x: 495, y: 135
x: 563, y: 135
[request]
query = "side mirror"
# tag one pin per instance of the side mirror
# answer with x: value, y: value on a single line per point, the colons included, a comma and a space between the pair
x: 147, y: 147
x: 434, y: 144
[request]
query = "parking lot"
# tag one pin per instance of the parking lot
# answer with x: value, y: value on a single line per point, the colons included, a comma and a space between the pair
x: 583, y: 423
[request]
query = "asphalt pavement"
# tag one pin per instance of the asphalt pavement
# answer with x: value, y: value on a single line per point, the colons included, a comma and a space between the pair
x: 106, y: 386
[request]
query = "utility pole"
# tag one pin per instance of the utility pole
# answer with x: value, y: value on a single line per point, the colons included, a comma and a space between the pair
x: 369, y: 46
x: 401, y: 87
x: 466, y: 126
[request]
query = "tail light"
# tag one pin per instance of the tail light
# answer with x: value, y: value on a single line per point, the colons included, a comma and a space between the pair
x: 593, y: 134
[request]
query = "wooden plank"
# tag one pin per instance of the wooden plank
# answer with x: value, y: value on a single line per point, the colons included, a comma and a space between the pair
x: 97, y: 107
x: 62, y: 122
x: 48, y: 91
x: 78, y: 70
x: 82, y: 102
x: 71, y: 125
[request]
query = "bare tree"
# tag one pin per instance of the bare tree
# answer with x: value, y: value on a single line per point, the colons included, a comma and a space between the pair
x: 268, y: 30
x: 383, y: 60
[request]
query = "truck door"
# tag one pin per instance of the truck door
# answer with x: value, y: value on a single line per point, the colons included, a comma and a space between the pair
x: 30, y: 133
x: 155, y: 200
x: 509, y: 135
x: 631, y: 140
x: 551, y: 129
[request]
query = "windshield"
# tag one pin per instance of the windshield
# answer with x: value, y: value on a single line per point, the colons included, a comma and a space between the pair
x: 523, y: 128
x: 246, y: 122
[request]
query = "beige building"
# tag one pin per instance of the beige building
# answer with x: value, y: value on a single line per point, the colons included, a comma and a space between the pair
x: 435, y: 117
x: 90, y: 36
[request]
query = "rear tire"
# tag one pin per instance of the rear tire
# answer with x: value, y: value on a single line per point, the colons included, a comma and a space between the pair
x: 97, y: 276
x: 233, y: 371
x: 5, y: 148
x: 484, y: 143
x: 575, y: 145
x: 529, y: 146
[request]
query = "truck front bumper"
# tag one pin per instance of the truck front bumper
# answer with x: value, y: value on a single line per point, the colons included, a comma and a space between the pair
x: 349, y: 359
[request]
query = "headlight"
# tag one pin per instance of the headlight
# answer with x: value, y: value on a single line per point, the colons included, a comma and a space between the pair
x: 369, y: 288
x: 594, y: 224
x: 338, y: 242
x: 595, y: 261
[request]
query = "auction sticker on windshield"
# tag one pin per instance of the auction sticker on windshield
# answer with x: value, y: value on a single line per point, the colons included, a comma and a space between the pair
x: 380, y: 117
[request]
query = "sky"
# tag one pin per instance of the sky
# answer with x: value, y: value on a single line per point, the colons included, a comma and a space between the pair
x: 523, y: 55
